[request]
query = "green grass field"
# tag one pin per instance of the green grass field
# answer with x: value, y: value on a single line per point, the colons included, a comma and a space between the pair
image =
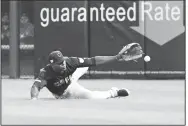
x: 150, y: 102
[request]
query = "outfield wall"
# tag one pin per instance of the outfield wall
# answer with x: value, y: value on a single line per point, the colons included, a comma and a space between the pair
x: 88, y: 39
x: 107, y: 38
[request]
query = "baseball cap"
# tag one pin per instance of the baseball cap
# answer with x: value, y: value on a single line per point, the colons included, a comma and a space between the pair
x: 56, y: 57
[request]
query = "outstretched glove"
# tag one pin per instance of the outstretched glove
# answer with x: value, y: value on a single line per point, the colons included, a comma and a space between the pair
x: 132, y: 51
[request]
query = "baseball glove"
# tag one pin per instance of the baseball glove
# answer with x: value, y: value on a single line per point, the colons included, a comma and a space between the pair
x: 132, y: 51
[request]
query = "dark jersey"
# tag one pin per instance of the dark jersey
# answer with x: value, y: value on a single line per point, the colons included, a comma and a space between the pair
x: 58, y: 78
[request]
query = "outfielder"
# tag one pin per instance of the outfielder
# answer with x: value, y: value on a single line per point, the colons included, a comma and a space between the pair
x: 61, y: 74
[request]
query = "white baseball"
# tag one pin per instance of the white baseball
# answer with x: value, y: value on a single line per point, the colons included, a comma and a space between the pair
x: 147, y: 58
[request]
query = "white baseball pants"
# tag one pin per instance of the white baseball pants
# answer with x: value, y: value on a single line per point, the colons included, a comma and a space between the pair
x: 76, y: 91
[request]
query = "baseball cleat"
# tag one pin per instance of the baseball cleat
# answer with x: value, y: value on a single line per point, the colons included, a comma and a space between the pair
x: 115, y: 92
x: 123, y: 92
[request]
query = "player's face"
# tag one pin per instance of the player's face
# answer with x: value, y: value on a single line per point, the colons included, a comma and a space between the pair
x: 63, y: 65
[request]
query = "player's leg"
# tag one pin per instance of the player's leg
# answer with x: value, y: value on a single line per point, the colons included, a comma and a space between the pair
x: 78, y: 91
x: 79, y: 72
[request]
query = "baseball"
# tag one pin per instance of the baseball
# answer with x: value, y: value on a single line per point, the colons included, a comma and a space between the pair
x: 147, y: 58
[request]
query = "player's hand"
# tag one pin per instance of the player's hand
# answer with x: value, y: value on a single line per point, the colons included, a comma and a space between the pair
x: 132, y: 51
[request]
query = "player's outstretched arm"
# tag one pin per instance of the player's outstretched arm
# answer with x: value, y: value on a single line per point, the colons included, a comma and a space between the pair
x: 93, y: 61
x: 38, y: 84
x: 132, y: 51
x: 105, y: 59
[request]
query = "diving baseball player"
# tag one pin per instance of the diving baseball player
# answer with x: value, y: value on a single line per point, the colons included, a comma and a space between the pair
x: 61, y: 74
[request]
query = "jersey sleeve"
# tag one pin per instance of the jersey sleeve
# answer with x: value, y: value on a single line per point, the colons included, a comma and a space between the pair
x: 41, y: 79
x: 83, y: 62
